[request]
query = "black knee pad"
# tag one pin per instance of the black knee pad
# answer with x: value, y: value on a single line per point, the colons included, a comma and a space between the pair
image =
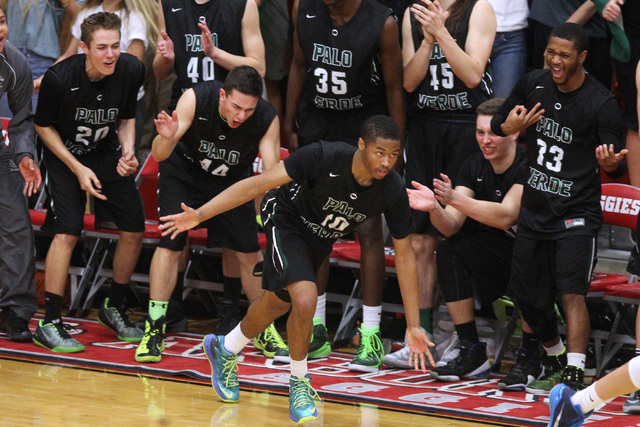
x: 543, y: 323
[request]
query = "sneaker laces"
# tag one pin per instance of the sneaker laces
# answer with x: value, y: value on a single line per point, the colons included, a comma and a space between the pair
x: 152, y: 335
x: 62, y: 328
x: 369, y: 343
x: 229, y: 366
x: 124, y: 316
x: 303, y: 392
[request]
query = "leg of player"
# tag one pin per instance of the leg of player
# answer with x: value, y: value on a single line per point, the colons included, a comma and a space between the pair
x: 223, y: 351
x: 570, y: 408
x: 113, y: 312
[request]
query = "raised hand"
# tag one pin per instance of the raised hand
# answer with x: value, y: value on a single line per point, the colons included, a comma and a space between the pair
x: 422, y: 198
x: 207, y: 42
x: 165, y: 46
x: 167, y: 125
x: 519, y: 118
x: 608, y: 158
x: 443, y: 189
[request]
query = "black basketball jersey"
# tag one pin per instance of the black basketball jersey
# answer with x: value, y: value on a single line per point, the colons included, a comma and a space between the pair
x: 477, y: 174
x: 224, y: 152
x: 344, y: 70
x: 562, y: 193
x: 224, y: 19
x: 325, y: 199
x: 86, y: 113
x: 442, y: 90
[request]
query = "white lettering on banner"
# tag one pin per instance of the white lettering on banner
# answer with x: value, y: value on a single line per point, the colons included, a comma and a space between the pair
x: 432, y: 398
x: 503, y: 408
x: 621, y: 205
x: 276, y: 377
x: 354, y: 388
x: 467, y: 384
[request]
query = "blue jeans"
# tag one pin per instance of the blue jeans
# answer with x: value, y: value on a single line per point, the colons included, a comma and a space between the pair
x: 509, y: 61
x: 39, y: 65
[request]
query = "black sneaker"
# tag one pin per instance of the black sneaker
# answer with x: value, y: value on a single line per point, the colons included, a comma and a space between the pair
x: 471, y: 363
x: 14, y: 326
x: 573, y: 377
x: 228, y: 314
x: 176, y: 319
x: 526, y: 369
x: 152, y: 344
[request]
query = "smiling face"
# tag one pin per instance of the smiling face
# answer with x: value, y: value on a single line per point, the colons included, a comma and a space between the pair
x: 379, y: 156
x: 236, y: 107
x: 4, y: 30
x: 103, y: 51
x: 565, y: 62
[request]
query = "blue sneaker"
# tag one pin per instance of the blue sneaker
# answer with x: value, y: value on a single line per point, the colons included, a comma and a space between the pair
x: 563, y: 412
x: 224, y: 368
x: 301, y: 394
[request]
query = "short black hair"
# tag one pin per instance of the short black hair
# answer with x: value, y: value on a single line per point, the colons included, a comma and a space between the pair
x: 244, y: 79
x: 572, y: 32
x: 97, y: 21
x: 380, y: 127
x: 489, y: 107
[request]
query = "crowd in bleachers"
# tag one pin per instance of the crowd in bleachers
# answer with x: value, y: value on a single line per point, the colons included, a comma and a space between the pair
x: 509, y: 112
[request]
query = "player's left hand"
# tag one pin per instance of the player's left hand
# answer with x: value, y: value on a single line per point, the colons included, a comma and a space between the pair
x: 612, y: 10
x: 177, y: 223
x: 443, y: 189
x: 31, y: 174
x: 608, y: 158
x: 431, y: 17
x: 208, y: 47
x: 128, y: 164
x: 419, y: 344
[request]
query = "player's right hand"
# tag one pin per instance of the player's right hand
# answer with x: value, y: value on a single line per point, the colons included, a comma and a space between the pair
x: 165, y: 46
x: 422, y: 198
x: 167, y: 125
x: 419, y: 344
x: 90, y: 182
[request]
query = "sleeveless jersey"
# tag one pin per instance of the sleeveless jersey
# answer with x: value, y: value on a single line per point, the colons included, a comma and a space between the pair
x: 442, y: 90
x: 562, y: 192
x: 224, y: 19
x: 325, y: 199
x: 86, y: 113
x: 221, y: 151
x: 343, y: 65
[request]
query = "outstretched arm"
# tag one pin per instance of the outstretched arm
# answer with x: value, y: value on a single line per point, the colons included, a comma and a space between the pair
x: 239, y: 193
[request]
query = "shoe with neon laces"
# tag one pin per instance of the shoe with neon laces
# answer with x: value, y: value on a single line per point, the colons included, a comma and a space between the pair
x: 318, y: 348
x: 573, y: 377
x: 54, y: 336
x: 553, y: 373
x: 526, y: 369
x: 269, y: 341
x: 301, y: 406
x: 117, y: 319
x: 370, y: 352
x: 471, y: 363
x: 224, y: 368
x: 563, y: 412
x: 152, y: 344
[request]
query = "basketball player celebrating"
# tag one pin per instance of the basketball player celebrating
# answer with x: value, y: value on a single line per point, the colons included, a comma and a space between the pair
x: 326, y: 189
x: 208, y: 143
x: 85, y: 118
x: 573, y: 123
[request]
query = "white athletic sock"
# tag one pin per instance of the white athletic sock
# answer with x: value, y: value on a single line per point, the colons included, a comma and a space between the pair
x: 371, y: 316
x: 298, y: 368
x: 556, y: 349
x: 577, y: 359
x: 634, y: 371
x: 587, y: 399
x: 321, y: 308
x: 235, y: 340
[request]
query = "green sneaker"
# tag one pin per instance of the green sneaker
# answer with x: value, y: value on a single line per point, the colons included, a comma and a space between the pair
x: 152, y: 344
x: 224, y: 368
x: 554, y: 367
x: 54, y: 336
x: 117, y: 319
x: 301, y: 406
x: 269, y: 341
x: 318, y: 348
x: 370, y: 352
